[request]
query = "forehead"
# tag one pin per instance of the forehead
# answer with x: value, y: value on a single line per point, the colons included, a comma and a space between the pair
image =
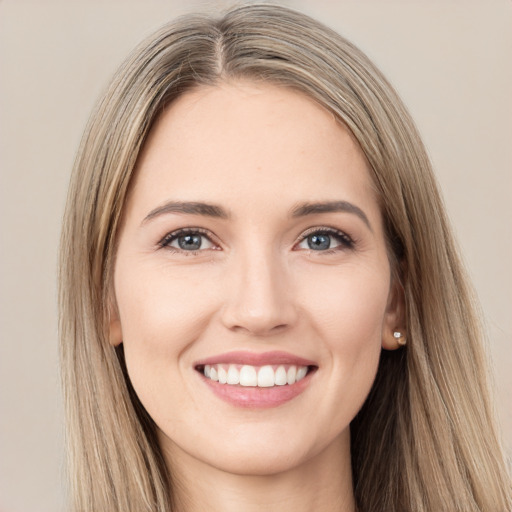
x: 254, y: 142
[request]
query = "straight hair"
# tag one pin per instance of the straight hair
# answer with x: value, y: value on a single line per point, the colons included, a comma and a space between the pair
x: 425, y: 439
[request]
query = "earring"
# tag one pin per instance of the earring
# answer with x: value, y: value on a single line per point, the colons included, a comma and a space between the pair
x: 400, y: 339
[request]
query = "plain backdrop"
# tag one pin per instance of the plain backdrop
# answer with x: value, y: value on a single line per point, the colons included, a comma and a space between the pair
x: 449, y: 59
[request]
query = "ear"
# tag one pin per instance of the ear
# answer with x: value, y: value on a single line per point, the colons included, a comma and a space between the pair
x: 394, y: 319
x: 115, y: 331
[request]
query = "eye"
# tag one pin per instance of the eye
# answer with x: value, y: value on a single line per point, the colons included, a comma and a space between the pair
x: 187, y: 240
x: 325, y: 239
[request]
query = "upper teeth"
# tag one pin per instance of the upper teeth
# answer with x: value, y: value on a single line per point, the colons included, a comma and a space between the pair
x: 262, y: 376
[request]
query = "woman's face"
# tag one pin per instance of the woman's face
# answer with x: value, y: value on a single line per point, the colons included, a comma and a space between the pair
x: 252, y: 249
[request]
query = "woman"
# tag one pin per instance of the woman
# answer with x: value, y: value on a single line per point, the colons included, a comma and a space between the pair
x: 261, y: 302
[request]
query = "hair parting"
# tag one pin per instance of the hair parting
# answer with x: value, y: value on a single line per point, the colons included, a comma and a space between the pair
x: 425, y: 439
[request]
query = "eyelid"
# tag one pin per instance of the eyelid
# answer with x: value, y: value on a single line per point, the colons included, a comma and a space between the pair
x: 344, y: 237
x: 171, y: 236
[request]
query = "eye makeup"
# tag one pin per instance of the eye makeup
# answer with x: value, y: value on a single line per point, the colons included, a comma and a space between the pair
x: 189, y: 241
x: 320, y: 239
x: 193, y: 240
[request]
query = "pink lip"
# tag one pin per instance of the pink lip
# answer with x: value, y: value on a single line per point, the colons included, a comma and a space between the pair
x: 255, y: 397
x: 258, y: 398
x: 253, y: 359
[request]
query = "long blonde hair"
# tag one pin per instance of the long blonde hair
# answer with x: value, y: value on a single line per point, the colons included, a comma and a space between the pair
x: 425, y: 439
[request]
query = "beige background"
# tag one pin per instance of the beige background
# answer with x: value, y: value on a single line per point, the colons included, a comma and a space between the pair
x: 450, y: 60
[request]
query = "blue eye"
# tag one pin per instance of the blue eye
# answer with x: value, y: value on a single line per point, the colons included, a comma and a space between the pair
x: 323, y: 240
x: 319, y: 242
x: 187, y: 241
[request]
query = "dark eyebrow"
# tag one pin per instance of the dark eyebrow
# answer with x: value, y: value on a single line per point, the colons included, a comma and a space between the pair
x: 191, y: 208
x: 329, y: 207
x: 212, y: 210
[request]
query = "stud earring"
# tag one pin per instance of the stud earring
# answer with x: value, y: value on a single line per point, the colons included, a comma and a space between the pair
x: 400, y: 339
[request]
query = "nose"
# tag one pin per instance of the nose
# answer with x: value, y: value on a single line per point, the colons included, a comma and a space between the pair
x: 259, y: 296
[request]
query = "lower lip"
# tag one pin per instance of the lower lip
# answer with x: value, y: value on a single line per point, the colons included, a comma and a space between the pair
x: 255, y: 397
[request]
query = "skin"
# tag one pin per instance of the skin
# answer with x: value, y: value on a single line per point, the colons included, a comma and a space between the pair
x: 254, y: 285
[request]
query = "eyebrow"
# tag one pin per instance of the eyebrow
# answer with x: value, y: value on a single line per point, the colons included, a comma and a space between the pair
x: 215, y: 211
x: 191, y: 208
x: 304, y: 209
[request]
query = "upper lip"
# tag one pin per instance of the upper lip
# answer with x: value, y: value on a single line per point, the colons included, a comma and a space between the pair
x: 255, y: 359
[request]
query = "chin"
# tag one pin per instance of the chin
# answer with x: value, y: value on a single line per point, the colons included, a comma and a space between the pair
x: 258, y: 464
x: 253, y: 452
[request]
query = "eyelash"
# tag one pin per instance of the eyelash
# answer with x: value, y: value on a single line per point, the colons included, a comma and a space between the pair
x: 170, y: 237
x: 346, y: 242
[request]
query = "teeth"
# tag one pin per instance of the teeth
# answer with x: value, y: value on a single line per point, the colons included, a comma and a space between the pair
x: 233, y: 375
x: 280, y: 378
x: 223, y: 375
x: 291, y: 374
x: 248, y: 376
x: 266, y: 377
x: 301, y: 373
x: 263, y: 377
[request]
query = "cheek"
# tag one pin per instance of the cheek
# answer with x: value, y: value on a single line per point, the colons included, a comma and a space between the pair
x: 155, y: 306
x: 348, y: 313
x: 348, y: 303
x: 162, y: 313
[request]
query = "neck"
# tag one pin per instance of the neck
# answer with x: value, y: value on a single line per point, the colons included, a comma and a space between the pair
x: 323, y: 482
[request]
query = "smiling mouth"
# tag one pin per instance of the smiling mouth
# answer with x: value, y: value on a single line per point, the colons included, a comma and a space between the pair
x: 266, y: 376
